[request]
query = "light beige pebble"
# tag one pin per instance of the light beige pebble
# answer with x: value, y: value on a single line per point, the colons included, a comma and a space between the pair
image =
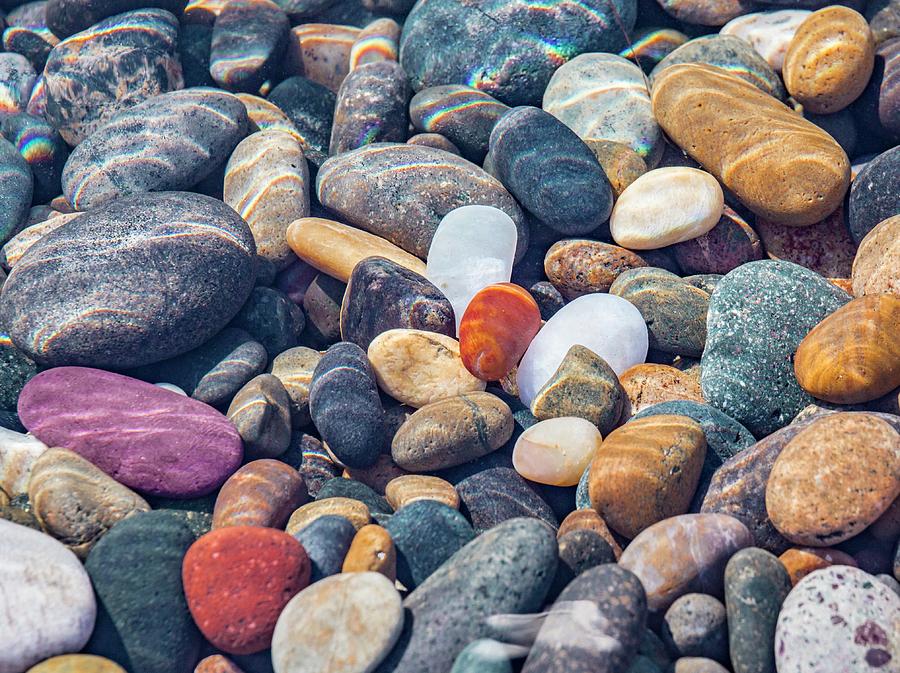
x: 267, y: 183
x: 556, y: 451
x: 417, y: 367
x: 409, y: 488
x: 354, y: 511
x: 294, y: 368
x: 18, y: 454
x: 769, y: 33
x: 321, y: 52
x: 666, y: 206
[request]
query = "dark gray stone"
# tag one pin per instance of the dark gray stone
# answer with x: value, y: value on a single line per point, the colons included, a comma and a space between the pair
x: 248, y: 42
x: 496, y: 494
x: 326, y: 541
x: 874, y: 196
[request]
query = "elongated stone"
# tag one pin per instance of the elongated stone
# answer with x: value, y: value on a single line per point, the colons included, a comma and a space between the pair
x: 618, y: 334
x: 382, y: 295
x: 498, y: 494
x: 16, y: 186
x: 267, y: 183
x: 261, y: 493
x: 310, y: 107
x: 550, y: 171
x: 372, y: 550
x: 336, y: 249
x: 187, y: 135
x: 604, y: 97
x: 706, y: 12
x: 690, y: 103
x: 111, y: 66
x: 404, y: 206
x: 43, y: 150
x: 248, y: 42
x: 402, y: 491
x: 580, y: 266
x: 378, y: 41
x: 66, y: 17
x: 371, y: 107
x: 76, y: 502
x: 320, y: 52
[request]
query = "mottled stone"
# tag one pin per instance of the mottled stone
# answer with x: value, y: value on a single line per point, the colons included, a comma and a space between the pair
x: 695, y: 626
x: 497, y: 494
x: 706, y: 12
x: 585, y: 386
x: 326, y: 541
x: 267, y: 183
x: 342, y: 624
x: 384, y: 470
x: 690, y: 103
x: 378, y: 41
x: 272, y: 319
x: 838, y: 614
x: 452, y: 431
x: 16, y: 186
x: 75, y: 501
x: 550, y: 171
x: 621, y: 164
x: 506, y: 570
x: 684, y: 554
x: 490, y: 45
x: 873, y: 198
x: 579, y: 551
x: 884, y: 19
x: 186, y: 136
x: 43, y: 149
x: 404, y: 490
x: 18, y: 245
x: 756, y: 584
x: 462, y: 114
x: 15, y: 371
x: 66, y: 17
x: 825, y: 75
x: 769, y: 32
x: 110, y: 67
x: 345, y: 407
x: 646, y: 385
x: 371, y: 107
x: 310, y: 107
x: 216, y: 663
x: 746, y: 369
x: 647, y: 471
x: 403, y: 206
x: 143, y: 622
x: 824, y: 247
x: 294, y: 368
x: 47, y: 604
x: 556, y: 451
x: 261, y: 414
x: 261, y: 493
x: 27, y: 33
x: 372, y: 550
x: 248, y: 41
x: 697, y: 665
x: 316, y: 465
x: 876, y: 267
x: 321, y: 52
x: 354, y: 511
x: 382, y: 295
x: 484, y: 655
x: 147, y: 438
x: 581, y: 266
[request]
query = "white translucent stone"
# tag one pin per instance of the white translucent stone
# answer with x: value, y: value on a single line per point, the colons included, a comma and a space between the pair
x: 556, y: 451
x: 604, y: 323
x: 473, y: 247
x: 769, y: 33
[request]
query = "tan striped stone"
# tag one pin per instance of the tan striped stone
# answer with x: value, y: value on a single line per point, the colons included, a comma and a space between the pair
x: 353, y: 510
x: 412, y: 487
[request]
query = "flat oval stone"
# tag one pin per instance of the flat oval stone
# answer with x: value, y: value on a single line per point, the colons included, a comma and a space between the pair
x: 684, y: 554
x: 267, y: 183
x: 187, y: 135
x: 550, y: 171
x: 17, y: 78
x: 16, y: 188
x: 352, y: 510
x: 371, y: 107
x: 404, y: 490
x: 618, y: 335
x: 604, y: 97
x: 261, y: 413
x: 319, y: 51
x: 872, y: 196
x: 674, y: 310
x: 372, y: 550
x: 505, y: 570
x: 581, y: 266
x: 496, y: 494
x: 382, y: 295
x: 756, y: 584
x: 499, y: 323
x: 452, y: 431
x: 769, y: 33
x: 80, y: 663
x: 851, y: 357
x: 856, y: 625
x: 237, y: 580
x: 378, y: 41
x: 695, y: 626
x: 144, y: 623
x: 345, y: 407
x: 647, y: 471
x: 310, y: 107
x: 828, y: 483
x: 248, y: 42
x: 824, y: 247
x: 825, y: 75
x: 493, y: 43
x: 666, y: 206
x: 261, y: 493
x: 294, y: 368
x: 336, y: 249
x: 75, y: 501
x: 43, y: 149
x: 326, y: 541
x: 813, y: 171
x: 876, y: 267
x: 556, y: 451
x: 65, y: 17
x: 404, y: 206
x: 110, y: 67
x: 48, y: 605
x: 435, y: 140
x: 342, y: 624
x: 120, y: 316
x: 464, y: 115
x: 746, y: 369
x: 149, y: 439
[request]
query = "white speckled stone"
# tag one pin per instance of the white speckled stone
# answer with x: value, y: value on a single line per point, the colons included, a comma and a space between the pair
x: 769, y: 33
x: 47, y: 605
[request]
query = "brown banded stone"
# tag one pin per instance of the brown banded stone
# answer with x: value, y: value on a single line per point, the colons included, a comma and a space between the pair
x: 261, y: 493
x: 403, y: 490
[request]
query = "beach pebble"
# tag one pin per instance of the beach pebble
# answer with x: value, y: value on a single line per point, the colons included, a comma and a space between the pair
x: 315, y: 464
x: 824, y: 247
x: 823, y: 74
x: 695, y: 626
x: 371, y: 107
x: 556, y: 451
x: 43, y: 149
x: 262, y: 415
x: 216, y: 663
x: 27, y: 34
x: 310, y: 108
x: 318, y: 51
x: 294, y: 368
x: 650, y: 45
x: 343, y: 624
x: 326, y: 541
x: 484, y: 655
x: 706, y: 12
x: 801, y: 561
x: 406, y: 489
x: 838, y: 614
x: 372, y: 550
x: 730, y: 243
x: 621, y: 164
x: 579, y: 550
x: 876, y: 267
x: 347, y: 487
x: 872, y: 198
x: 149, y: 439
x: 83, y: 663
x: 376, y: 42
x: 18, y: 453
x: 248, y: 41
x: 581, y: 266
x: 15, y: 191
x: 271, y: 318
x: 649, y: 384
x: 452, y: 431
x: 497, y: 494
x: 354, y: 511
x: 769, y: 32
x: 261, y: 493
x: 48, y: 606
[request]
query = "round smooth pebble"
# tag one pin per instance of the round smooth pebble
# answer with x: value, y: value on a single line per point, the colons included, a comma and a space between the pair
x: 354, y: 511
x: 769, y: 33
x: 872, y: 196
x: 579, y: 266
x: 876, y: 267
x: 695, y: 626
x: 556, y: 451
x: 800, y: 562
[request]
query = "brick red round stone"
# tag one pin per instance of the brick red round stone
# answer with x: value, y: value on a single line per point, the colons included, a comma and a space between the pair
x: 238, y: 579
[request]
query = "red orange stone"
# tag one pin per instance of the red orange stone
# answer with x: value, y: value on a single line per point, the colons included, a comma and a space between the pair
x: 499, y: 323
x: 263, y: 492
x: 801, y: 561
x: 238, y: 579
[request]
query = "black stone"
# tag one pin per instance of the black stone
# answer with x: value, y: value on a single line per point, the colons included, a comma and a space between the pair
x: 579, y: 550
x: 311, y: 107
x: 67, y: 17
x: 272, y: 319
x: 350, y: 488
x: 42, y: 148
x: 326, y: 541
